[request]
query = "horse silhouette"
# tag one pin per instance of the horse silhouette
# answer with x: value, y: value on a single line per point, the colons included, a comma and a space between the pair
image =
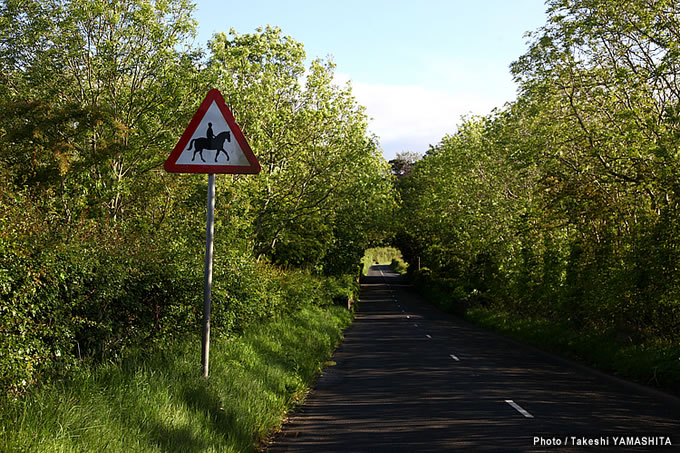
x: 217, y: 143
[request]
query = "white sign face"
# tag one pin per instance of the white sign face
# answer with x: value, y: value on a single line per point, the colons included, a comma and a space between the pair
x: 219, y: 149
x: 212, y: 143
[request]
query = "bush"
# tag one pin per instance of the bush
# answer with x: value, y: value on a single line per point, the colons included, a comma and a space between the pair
x: 88, y: 296
x: 100, y: 292
x: 399, y: 266
x: 448, y: 294
x: 342, y: 290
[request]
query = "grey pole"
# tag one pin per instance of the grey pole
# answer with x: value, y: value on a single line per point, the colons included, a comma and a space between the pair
x: 207, y: 282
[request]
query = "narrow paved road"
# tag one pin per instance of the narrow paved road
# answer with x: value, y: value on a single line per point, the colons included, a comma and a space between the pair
x: 410, y: 378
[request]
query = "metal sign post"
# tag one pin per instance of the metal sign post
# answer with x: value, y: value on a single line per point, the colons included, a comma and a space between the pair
x: 212, y: 128
x: 207, y: 281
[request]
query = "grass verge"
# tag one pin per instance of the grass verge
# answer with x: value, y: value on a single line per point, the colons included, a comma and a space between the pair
x: 158, y: 401
x: 654, y: 364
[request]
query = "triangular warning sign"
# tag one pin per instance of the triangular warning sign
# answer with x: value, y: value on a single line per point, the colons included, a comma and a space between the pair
x: 212, y: 143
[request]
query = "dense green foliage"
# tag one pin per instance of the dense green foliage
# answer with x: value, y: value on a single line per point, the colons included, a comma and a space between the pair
x: 324, y: 194
x: 100, y: 249
x: 399, y: 266
x: 564, y: 205
x: 560, y: 208
x: 158, y: 402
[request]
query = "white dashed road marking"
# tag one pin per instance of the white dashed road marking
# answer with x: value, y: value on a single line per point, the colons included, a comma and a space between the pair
x: 519, y: 409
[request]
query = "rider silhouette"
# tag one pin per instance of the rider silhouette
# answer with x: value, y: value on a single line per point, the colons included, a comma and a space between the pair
x: 210, y: 136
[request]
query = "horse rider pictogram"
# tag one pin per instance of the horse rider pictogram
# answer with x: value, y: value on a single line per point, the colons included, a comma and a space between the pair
x: 211, y: 142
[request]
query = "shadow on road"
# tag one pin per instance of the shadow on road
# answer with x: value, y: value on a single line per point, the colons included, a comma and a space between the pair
x: 397, y: 387
x: 382, y: 274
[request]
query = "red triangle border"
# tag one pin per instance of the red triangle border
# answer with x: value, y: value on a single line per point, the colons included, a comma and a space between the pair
x: 171, y: 164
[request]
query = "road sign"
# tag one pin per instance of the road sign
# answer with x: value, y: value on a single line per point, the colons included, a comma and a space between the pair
x: 212, y: 143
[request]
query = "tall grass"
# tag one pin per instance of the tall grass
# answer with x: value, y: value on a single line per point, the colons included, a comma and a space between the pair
x: 159, y: 402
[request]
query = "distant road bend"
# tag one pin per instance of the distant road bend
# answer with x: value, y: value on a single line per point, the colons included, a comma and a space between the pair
x: 410, y: 378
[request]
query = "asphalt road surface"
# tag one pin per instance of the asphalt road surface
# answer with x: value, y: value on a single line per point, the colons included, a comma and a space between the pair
x: 409, y: 378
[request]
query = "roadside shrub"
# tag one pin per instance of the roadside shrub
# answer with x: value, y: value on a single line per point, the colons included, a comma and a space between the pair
x: 448, y: 294
x: 88, y: 295
x: 399, y: 266
x: 92, y: 293
x: 341, y: 290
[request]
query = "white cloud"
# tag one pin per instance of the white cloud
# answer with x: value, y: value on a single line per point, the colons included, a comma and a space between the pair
x: 411, y: 117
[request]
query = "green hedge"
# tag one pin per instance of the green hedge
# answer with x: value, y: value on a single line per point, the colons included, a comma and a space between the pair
x: 95, y: 293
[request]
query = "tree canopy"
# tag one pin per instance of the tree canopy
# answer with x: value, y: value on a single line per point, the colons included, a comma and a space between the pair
x: 101, y: 249
x: 564, y: 203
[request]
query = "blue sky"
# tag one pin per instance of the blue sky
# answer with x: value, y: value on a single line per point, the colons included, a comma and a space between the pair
x: 415, y: 66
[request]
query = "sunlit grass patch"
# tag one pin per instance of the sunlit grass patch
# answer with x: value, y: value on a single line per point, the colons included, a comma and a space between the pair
x: 159, y: 401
